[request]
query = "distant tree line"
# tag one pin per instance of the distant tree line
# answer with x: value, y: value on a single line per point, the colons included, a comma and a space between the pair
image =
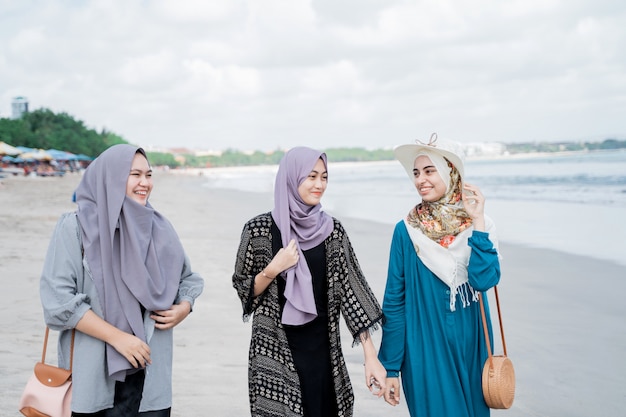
x: 43, y: 129
x: 607, y: 144
x: 233, y: 157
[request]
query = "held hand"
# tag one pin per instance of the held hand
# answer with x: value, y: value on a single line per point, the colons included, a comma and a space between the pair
x: 166, y: 319
x: 285, y: 258
x: 375, y: 377
x: 392, y: 393
x: 136, y: 351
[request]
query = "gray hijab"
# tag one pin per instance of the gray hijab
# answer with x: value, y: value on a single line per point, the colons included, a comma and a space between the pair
x: 134, y: 253
x: 308, y: 225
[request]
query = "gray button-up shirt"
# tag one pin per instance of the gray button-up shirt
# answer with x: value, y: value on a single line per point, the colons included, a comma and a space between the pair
x: 67, y: 292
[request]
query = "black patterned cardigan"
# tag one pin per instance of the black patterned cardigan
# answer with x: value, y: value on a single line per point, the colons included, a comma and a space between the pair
x: 274, y: 387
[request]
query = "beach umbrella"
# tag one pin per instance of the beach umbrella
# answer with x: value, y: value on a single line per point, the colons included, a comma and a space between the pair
x: 83, y: 157
x: 61, y: 155
x: 24, y: 149
x: 6, y: 149
x: 27, y: 157
x: 8, y: 159
x: 37, y: 155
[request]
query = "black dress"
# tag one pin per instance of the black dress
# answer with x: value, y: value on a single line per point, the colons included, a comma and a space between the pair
x: 310, y: 343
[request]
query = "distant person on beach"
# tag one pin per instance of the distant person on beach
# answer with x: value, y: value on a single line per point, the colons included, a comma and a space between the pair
x: 296, y: 272
x: 442, y: 254
x: 117, y: 273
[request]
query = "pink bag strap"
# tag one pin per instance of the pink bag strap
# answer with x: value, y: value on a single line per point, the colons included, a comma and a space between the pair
x: 45, y: 346
x: 486, y: 331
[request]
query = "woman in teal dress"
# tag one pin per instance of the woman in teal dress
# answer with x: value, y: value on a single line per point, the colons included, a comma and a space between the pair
x: 442, y: 255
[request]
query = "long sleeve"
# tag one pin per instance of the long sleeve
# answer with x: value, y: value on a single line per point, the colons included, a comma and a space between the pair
x: 254, y: 253
x: 191, y: 284
x: 62, y: 276
x: 484, y: 264
x: 360, y: 308
x: 391, y: 352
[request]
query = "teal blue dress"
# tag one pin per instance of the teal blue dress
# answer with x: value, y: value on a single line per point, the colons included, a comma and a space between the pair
x: 439, y: 353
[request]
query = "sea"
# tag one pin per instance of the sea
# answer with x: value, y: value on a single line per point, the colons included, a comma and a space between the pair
x: 573, y: 202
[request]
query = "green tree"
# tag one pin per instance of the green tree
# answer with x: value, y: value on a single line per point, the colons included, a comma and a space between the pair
x: 162, y: 159
x: 15, y: 132
x: 44, y: 129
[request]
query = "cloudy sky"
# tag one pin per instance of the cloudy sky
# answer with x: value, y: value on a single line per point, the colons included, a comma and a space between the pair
x: 263, y: 74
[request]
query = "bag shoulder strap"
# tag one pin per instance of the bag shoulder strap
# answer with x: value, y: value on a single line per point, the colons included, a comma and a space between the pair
x: 485, y: 330
x: 45, y: 346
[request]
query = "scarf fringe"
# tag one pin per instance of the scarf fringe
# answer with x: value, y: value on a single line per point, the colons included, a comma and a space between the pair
x: 466, y: 294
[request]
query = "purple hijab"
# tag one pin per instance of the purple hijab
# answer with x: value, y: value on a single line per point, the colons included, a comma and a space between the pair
x: 133, y: 252
x: 308, y: 225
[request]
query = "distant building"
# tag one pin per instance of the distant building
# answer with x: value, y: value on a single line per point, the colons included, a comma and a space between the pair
x: 19, y: 105
x: 484, y: 149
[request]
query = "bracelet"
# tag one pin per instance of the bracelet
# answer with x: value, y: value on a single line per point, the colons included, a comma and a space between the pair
x: 265, y: 275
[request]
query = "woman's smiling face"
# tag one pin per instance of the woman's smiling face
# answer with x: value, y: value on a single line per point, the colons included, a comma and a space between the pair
x: 139, y: 184
x: 312, y: 188
x: 428, y: 181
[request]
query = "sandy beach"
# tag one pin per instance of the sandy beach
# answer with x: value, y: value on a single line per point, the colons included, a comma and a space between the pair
x: 562, y: 313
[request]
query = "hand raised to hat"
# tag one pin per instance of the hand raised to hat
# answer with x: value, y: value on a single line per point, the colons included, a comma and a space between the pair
x: 474, y: 205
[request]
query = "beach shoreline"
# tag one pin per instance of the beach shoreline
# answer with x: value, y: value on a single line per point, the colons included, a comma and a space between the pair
x: 561, y: 312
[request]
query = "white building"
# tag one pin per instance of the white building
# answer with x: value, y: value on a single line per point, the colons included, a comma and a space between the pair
x: 19, y: 106
x: 483, y: 149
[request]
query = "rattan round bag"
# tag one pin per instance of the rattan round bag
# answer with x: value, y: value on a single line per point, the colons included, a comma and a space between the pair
x: 499, y: 382
x: 498, y: 379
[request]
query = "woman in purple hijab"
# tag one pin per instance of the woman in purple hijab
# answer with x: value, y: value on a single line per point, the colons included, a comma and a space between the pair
x: 296, y: 273
x: 117, y: 273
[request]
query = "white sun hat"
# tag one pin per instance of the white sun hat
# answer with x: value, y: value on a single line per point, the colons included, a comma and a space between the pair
x: 451, y: 150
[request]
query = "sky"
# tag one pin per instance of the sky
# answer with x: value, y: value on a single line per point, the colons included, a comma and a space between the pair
x: 269, y: 74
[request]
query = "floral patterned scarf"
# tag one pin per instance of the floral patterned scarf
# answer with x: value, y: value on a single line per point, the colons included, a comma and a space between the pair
x: 444, y: 219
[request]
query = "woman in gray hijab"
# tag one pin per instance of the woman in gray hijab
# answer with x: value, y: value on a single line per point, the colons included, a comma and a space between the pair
x: 296, y: 273
x: 117, y: 273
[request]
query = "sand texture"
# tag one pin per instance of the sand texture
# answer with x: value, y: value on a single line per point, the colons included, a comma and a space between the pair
x: 562, y: 313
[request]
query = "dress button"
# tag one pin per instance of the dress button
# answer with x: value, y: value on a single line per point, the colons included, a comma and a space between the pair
x: 448, y: 292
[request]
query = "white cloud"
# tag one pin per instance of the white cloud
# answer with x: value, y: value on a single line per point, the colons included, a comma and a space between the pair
x: 338, y: 78
x: 148, y: 70
x: 216, y: 83
x: 199, y: 11
x: 249, y: 74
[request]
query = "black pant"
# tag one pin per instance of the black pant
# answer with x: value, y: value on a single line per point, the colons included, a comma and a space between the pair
x: 127, y: 400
